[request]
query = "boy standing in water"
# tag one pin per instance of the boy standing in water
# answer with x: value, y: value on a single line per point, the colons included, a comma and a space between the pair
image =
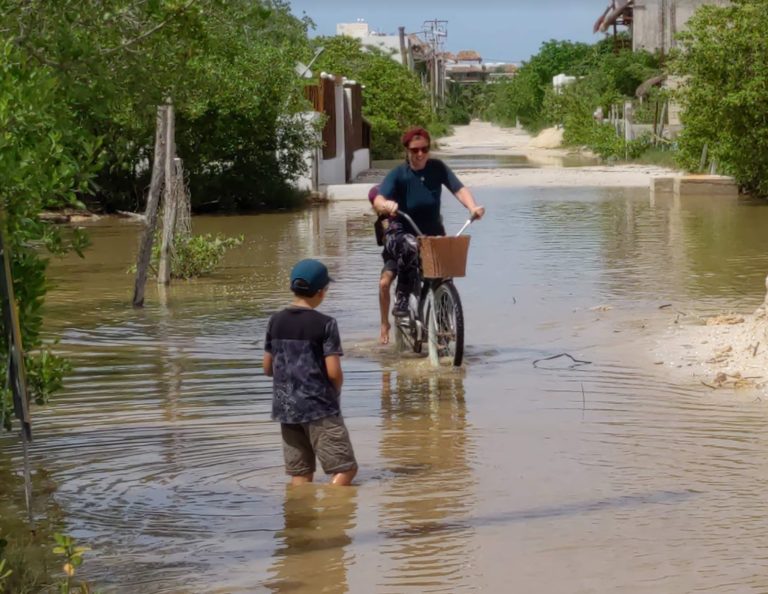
x: 302, y: 354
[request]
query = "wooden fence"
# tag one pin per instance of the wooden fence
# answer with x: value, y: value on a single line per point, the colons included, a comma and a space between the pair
x: 357, y: 130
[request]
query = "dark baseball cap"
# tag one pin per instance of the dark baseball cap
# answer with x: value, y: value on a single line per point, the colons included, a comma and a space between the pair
x: 310, y: 275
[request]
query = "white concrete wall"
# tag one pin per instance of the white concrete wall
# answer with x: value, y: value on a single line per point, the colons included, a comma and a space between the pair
x: 390, y: 44
x: 359, y: 30
x: 308, y: 181
x: 361, y: 161
x: 560, y: 81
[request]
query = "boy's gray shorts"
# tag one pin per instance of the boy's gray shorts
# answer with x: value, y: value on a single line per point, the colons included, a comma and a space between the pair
x: 327, y: 439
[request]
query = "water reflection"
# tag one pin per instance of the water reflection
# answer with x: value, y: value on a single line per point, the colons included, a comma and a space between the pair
x: 426, y: 445
x: 312, y: 552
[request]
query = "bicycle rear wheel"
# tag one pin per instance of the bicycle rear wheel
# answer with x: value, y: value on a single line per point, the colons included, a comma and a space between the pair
x: 408, y: 330
x: 445, y: 320
x: 403, y: 338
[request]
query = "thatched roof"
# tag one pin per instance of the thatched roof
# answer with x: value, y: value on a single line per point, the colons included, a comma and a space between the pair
x: 615, y: 9
x: 646, y: 86
x: 468, y: 56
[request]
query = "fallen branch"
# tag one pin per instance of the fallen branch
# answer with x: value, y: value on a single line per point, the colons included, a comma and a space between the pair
x: 575, y: 361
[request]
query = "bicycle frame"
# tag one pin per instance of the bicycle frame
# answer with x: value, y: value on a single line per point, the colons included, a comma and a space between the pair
x: 420, y: 325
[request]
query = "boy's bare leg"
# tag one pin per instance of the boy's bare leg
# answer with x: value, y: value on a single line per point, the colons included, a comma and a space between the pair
x: 385, y: 283
x: 302, y: 479
x: 344, y: 479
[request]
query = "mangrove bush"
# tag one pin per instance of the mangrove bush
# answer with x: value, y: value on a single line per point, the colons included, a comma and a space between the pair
x: 724, y: 68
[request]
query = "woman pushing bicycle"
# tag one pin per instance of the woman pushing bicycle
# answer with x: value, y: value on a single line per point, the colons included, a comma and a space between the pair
x: 413, y: 188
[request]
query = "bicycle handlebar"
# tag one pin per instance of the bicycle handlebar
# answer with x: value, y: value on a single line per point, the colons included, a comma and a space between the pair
x: 470, y: 220
x: 410, y: 221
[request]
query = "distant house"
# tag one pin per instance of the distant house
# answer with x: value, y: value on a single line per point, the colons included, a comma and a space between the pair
x: 469, y: 56
x: 465, y: 67
x: 560, y: 81
x: 361, y: 30
x: 653, y: 24
x: 501, y: 71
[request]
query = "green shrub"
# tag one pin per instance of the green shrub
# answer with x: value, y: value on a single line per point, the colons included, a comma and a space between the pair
x: 393, y: 98
x: 193, y: 256
x: 228, y: 66
x: 385, y: 138
x: 724, y: 63
x: 199, y: 255
x: 46, y: 160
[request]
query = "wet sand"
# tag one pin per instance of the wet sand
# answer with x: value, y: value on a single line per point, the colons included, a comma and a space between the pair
x: 546, y: 171
x: 479, y: 137
x: 727, y: 351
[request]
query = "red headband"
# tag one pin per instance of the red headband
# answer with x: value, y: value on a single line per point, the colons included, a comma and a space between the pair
x: 411, y: 133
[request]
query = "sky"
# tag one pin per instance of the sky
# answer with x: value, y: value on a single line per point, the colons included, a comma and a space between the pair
x: 501, y: 31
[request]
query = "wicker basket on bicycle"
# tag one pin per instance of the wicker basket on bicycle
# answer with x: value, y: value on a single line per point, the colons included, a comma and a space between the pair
x: 443, y: 257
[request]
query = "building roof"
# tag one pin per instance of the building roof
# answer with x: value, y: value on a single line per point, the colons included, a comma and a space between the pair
x: 468, y: 56
x: 615, y: 10
x: 511, y: 68
x: 646, y: 86
x: 450, y: 68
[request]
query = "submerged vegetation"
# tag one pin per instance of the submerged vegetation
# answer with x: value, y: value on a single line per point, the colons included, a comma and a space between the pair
x: 193, y: 256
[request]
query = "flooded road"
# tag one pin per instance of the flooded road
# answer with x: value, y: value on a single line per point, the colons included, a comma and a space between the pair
x: 559, y: 478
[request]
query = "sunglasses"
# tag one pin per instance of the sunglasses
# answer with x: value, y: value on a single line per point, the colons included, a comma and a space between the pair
x: 419, y: 149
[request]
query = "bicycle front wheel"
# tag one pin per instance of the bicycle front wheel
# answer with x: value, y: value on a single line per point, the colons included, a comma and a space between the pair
x: 445, y: 320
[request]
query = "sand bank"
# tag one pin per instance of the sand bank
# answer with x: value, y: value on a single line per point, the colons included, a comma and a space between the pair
x: 729, y: 350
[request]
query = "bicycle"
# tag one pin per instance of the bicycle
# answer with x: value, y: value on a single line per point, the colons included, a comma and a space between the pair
x: 435, y: 313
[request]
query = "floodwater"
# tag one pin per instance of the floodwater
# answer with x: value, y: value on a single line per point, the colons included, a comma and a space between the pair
x: 482, y: 161
x: 607, y: 476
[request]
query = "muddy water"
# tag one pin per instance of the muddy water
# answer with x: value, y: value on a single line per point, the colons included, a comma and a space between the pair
x: 599, y: 477
x: 478, y: 160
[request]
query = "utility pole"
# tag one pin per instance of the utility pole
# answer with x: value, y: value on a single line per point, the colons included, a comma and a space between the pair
x: 435, y: 33
x: 403, y: 52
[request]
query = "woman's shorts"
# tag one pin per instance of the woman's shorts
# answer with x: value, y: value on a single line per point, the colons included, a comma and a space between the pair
x: 390, y: 262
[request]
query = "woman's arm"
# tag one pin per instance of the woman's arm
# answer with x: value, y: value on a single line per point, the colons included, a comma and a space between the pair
x: 464, y: 195
x: 267, y: 364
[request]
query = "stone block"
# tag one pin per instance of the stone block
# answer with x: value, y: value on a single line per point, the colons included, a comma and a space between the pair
x: 662, y: 188
x: 719, y: 186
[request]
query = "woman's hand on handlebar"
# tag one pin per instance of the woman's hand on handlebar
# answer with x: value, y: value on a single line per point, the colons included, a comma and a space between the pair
x: 391, y: 207
x: 476, y: 212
